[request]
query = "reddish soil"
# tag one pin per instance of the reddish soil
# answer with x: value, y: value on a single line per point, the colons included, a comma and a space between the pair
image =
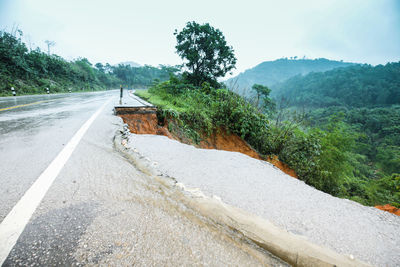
x: 147, y: 123
x: 389, y: 208
x: 282, y: 166
x: 222, y: 140
x: 230, y: 142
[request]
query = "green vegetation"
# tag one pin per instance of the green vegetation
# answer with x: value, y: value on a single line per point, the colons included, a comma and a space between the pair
x: 355, y: 86
x: 347, y: 152
x: 262, y: 100
x: 366, y: 100
x: 196, y: 112
x: 270, y: 73
x: 206, y: 53
x: 30, y: 72
x: 325, y: 156
x: 375, y: 154
x: 142, y: 76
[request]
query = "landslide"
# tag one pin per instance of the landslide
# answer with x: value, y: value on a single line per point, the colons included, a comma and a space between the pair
x: 141, y: 121
x: 389, y: 208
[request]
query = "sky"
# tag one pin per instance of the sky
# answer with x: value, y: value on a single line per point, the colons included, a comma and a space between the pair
x: 362, y: 31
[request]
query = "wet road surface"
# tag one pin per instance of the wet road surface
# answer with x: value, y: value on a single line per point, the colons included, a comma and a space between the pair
x: 100, y: 210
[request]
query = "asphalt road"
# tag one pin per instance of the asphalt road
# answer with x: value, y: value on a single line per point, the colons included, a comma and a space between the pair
x: 31, y: 137
x: 99, y: 209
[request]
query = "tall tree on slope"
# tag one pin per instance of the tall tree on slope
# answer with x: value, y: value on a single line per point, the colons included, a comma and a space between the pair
x: 206, y: 53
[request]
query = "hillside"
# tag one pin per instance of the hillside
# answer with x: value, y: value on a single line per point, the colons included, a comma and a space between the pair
x: 364, y: 100
x: 355, y: 86
x: 30, y: 71
x: 271, y: 72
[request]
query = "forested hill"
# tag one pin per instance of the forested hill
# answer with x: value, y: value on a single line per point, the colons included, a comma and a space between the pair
x: 31, y: 71
x: 355, y: 86
x: 271, y: 72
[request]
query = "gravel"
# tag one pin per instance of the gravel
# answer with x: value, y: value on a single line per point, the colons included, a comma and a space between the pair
x: 256, y: 186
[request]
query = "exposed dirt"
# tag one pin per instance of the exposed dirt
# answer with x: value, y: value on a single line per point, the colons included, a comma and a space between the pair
x: 389, y: 208
x: 147, y: 123
x: 282, y: 166
x: 222, y: 140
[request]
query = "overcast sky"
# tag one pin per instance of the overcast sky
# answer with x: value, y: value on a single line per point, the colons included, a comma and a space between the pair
x: 365, y: 31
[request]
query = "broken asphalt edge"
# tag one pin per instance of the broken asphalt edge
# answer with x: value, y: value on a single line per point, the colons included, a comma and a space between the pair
x: 289, y: 247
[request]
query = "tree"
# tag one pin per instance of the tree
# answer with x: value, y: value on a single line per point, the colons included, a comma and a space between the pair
x: 100, y: 67
x: 206, y: 53
x: 262, y: 93
x: 49, y: 44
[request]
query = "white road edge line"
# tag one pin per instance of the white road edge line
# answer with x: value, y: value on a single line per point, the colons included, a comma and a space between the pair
x: 16, y: 220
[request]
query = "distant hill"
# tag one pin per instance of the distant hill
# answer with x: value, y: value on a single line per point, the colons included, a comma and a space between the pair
x: 354, y: 86
x: 130, y: 63
x: 272, y: 72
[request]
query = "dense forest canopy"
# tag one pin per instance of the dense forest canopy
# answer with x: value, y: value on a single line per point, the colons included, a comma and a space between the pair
x: 31, y: 71
x: 365, y: 102
x: 271, y: 72
x: 355, y: 86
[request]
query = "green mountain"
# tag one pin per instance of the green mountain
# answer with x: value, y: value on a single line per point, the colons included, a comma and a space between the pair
x: 364, y: 102
x: 354, y: 86
x: 270, y: 73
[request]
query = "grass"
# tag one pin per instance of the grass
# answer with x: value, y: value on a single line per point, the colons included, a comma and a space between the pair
x: 161, y: 102
x: 320, y: 158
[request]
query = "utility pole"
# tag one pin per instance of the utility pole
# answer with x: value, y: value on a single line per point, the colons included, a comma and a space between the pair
x: 49, y: 44
x: 120, y: 95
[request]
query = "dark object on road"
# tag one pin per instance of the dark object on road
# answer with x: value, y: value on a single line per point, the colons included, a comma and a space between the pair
x: 121, y: 94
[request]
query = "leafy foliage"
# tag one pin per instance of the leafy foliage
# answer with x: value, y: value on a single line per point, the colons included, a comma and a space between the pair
x: 32, y: 71
x: 323, y: 150
x: 142, y: 76
x: 203, y: 110
x: 262, y: 99
x: 206, y: 53
x: 355, y: 86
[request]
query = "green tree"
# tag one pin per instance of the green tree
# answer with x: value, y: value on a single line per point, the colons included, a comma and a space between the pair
x: 206, y: 53
x: 263, y: 101
x: 100, y: 67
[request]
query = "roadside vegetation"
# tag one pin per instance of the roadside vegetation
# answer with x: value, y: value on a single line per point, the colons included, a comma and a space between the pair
x: 366, y: 99
x: 31, y: 71
x: 324, y: 148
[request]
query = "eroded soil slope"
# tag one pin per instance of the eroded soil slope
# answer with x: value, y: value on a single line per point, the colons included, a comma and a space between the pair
x: 146, y: 122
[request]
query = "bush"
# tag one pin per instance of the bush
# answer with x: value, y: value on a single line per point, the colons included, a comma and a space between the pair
x: 205, y: 109
x: 323, y: 158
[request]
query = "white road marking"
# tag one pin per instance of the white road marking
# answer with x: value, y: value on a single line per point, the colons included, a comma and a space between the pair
x: 16, y: 220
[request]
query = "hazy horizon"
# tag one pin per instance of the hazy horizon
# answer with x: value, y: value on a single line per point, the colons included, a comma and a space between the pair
x: 360, y: 31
